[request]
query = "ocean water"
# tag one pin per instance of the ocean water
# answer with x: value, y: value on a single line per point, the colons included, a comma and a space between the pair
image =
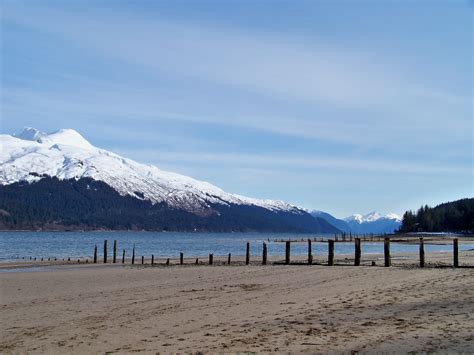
x: 18, y: 245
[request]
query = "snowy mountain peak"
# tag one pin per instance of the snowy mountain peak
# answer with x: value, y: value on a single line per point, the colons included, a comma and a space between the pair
x: 371, y: 217
x: 65, y: 154
x: 372, y: 222
x: 393, y: 216
x: 30, y: 134
x: 61, y: 137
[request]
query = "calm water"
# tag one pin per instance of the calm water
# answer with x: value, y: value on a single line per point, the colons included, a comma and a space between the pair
x: 81, y: 244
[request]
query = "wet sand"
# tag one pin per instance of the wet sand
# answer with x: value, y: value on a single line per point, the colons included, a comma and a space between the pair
x: 275, y: 308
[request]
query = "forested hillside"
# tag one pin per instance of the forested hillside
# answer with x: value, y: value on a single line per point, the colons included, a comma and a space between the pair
x: 457, y: 216
x: 88, y: 204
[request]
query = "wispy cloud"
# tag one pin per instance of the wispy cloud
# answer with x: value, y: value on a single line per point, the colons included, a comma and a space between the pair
x: 333, y: 163
x: 174, y: 91
x: 351, y: 92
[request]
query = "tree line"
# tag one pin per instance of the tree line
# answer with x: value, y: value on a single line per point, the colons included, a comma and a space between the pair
x: 456, y: 216
x: 86, y: 204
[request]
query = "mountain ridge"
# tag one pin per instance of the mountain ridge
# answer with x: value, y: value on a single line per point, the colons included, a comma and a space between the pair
x: 372, y: 222
x: 66, y: 154
x: 61, y: 166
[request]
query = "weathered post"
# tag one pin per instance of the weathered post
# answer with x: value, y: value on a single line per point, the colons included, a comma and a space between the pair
x: 123, y: 256
x: 310, y: 252
x: 105, y: 251
x: 210, y: 258
x: 133, y: 254
x: 115, y: 252
x: 455, y: 253
x: 422, y: 252
x: 167, y: 261
x: 287, y: 252
x: 143, y: 259
x: 181, y: 258
x: 95, y: 254
x: 197, y: 261
x: 247, y: 254
x: 228, y: 259
x: 264, y: 254
x: 330, y: 252
x: 386, y: 251
x: 152, y: 259
x: 357, y: 252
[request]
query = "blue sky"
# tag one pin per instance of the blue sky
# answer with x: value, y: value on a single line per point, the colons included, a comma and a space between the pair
x: 343, y: 106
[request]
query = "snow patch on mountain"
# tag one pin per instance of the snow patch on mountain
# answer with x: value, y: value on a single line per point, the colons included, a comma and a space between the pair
x: 371, y: 217
x: 65, y: 154
x: 373, y: 222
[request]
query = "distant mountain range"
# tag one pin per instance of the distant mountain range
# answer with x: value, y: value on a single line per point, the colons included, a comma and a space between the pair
x: 363, y: 224
x: 61, y: 181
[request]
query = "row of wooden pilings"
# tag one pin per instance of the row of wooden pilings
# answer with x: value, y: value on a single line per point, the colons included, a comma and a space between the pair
x: 330, y: 262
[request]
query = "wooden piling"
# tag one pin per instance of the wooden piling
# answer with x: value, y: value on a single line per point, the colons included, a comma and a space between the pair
x: 310, y: 252
x: 211, y: 256
x: 123, y: 256
x: 228, y: 259
x: 386, y: 251
x: 143, y: 260
x: 264, y: 254
x: 167, y: 261
x: 105, y: 251
x: 455, y: 253
x: 133, y: 254
x: 422, y: 252
x: 152, y: 259
x: 330, y: 252
x: 197, y: 261
x: 247, y: 254
x: 287, y: 252
x: 181, y: 258
x: 114, y: 260
x: 357, y: 252
x: 95, y: 254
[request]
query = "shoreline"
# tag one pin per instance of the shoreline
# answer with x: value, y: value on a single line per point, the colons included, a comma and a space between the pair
x: 406, y: 259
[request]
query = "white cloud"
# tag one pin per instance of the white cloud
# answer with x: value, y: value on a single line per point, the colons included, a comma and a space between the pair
x: 333, y: 163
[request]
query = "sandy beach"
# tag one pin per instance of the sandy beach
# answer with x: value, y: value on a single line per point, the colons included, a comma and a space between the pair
x: 296, y: 308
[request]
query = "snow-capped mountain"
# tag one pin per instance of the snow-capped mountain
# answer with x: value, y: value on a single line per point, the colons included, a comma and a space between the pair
x: 372, y: 222
x: 372, y: 217
x: 67, y: 155
x: 32, y: 156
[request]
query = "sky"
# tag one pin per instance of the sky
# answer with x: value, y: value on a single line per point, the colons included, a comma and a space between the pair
x: 341, y: 106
